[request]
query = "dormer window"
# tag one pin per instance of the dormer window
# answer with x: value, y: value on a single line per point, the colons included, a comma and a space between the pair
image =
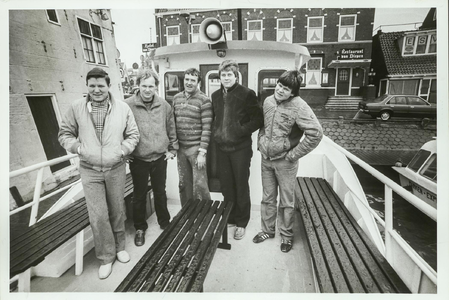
x: 419, y: 44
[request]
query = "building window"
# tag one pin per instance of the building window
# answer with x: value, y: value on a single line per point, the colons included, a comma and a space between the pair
x: 284, y: 30
x: 315, y: 28
x: 92, y: 40
x: 52, y: 16
x: 195, y: 32
x: 173, y: 36
x: 227, y: 26
x: 254, y: 31
x: 403, y: 87
x: 313, y: 73
x: 420, y: 44
x: 346, y: 31
x: 427, y: 89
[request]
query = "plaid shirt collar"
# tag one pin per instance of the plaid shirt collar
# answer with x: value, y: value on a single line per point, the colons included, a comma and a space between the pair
x: 89, y: 103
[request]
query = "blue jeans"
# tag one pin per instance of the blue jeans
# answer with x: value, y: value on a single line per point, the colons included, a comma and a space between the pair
x: 157, y: 171
x: 280, y: 174
x: 193, y: 182
x: 234, y: 175
x: 104, y: 192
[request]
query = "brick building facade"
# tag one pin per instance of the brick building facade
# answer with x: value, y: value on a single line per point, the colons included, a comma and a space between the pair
x: 405, y: 62
x: 338, y: 39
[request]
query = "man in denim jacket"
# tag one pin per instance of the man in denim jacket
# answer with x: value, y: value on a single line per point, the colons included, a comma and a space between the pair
x: 287, y: 118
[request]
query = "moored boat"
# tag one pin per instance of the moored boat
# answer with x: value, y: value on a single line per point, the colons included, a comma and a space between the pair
x: 420, y: 175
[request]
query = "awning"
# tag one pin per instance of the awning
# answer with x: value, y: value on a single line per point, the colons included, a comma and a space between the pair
x: 352, y: 63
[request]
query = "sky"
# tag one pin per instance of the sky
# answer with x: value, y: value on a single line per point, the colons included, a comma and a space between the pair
x: 132, y: 27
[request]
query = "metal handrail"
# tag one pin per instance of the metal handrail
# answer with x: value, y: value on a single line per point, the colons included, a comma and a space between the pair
x: 37, y: 189
x: 412, y: 199
x: 391, y: 186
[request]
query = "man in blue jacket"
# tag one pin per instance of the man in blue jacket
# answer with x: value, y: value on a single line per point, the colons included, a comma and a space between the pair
x: 237, y: 115
x: 102, y: 130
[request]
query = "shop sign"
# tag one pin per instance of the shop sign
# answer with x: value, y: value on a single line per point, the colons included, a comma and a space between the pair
x: 351, y: 53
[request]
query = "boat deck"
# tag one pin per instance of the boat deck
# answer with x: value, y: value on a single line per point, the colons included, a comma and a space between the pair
x: 247, y: 267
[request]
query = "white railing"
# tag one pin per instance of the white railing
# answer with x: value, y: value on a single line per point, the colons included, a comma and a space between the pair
x: 390, y: 234
x: 37, y: 189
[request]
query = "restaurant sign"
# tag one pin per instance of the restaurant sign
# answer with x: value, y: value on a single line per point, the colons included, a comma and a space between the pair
x: 351, y: 53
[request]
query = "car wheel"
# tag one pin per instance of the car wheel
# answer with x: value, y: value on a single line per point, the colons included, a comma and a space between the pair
x: 385, y: 115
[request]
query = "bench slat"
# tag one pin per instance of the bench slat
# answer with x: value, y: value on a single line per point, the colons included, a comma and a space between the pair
x: 46, y: 232
x: 356, y: 261
x: 201, y: 275
x: 324, y: 279
x: 384, y: 275
x: 182, y: 259
x: 352, y: 280
x: 177, y: 237
x: 48, y: 248
x: 133, y: 280
x: 179, y: 259
x: 330, y: 259
x: 189, y: 278
x: 30, y: 231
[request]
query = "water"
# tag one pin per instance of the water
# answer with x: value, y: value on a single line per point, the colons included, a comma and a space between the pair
x: 417, y: 229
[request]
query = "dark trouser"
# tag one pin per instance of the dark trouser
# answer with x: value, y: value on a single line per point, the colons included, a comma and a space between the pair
x: 234, y: 175
x: 157, y: 170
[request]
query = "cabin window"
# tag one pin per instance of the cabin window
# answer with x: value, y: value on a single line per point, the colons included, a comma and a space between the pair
x: 92, y: 40
x: 418, y: 160
x: 195, y: 33
x: 267, y: 80
x: 173, y: 83
x: 52, y: 16
x: 346, y: 31
x: 430, y: 169
x: 254, y: 31
x: 284, y: 30
x: 227, y: 26
x: 173, y: 36
x: 315, y: 29
x: 212, y: 81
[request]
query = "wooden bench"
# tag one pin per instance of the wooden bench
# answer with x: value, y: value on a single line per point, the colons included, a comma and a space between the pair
x: 345, y: 260
x: 32, y: 246
x: 180, y: 257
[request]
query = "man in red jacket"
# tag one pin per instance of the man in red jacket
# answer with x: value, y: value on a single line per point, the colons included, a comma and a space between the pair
x: 237, y: 115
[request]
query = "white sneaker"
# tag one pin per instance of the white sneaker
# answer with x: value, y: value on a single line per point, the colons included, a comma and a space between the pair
x: 123, y: 256
x: 105, y: 271
x: 239, y: 233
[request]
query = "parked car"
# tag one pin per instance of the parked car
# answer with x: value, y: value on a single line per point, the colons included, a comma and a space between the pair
x: 387, y: 106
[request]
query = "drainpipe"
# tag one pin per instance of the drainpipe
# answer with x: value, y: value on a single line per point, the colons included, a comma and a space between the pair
x: 239, y: 24
x: 160, y: 32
